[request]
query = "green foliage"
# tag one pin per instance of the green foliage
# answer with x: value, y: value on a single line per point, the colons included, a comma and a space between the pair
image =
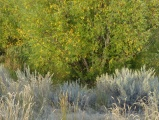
x: 75, y: 39
x: 150, y: 56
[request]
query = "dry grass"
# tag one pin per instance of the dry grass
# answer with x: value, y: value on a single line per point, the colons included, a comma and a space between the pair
x: 32, y: 98
x: 16, y: 106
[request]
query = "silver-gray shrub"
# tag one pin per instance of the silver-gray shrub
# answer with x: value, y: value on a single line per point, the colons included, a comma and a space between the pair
x: 17, y: 106
x: 77, y: 94
x: 16, y: 100
x: 40, y: 89
x: 127, y: 86
x: 4, y: 80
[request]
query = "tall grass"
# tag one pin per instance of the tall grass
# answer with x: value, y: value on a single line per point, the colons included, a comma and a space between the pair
x: 34, y: 97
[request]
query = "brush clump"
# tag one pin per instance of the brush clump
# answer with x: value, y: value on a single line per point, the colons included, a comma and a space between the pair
x: 126, y: 94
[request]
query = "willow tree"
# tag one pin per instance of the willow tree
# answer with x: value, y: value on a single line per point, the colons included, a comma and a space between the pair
x: 83, y: 38
x: 99, y: 36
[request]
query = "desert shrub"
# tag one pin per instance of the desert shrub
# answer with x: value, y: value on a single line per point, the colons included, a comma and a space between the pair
x: 16, y: 99
x: 39, y: 87
x: 13, y: 109
x: 127, y: 86
x: 4, y: 78
x: 76, y: 94
x: 150, y: 109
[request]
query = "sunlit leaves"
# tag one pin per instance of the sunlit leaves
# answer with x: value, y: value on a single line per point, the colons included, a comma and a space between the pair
x: 85, y: 38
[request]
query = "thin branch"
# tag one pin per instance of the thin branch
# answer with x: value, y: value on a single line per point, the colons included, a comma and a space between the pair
x: 86, y: 64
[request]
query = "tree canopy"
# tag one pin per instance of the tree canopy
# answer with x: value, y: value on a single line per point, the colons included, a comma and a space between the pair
x: 76, y: 38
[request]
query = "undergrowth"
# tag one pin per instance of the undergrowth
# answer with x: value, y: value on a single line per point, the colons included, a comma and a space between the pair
x: 125, y: 95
